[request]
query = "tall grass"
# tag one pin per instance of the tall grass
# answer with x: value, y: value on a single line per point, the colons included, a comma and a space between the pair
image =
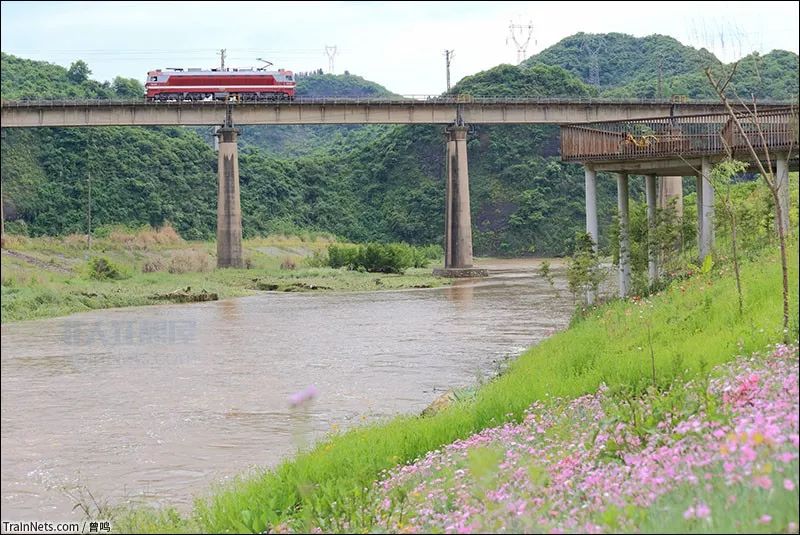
x: 693, y: 324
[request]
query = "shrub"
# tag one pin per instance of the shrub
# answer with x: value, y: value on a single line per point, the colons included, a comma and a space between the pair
x: 101, y: 268
x: 317, y: 259
x: 388, y: 258
x: 583, y: 272
x: 343, y: 255
x: 379, y: 257
x: 153, y: 265
x: 144, y: 237
x: 189, y: 261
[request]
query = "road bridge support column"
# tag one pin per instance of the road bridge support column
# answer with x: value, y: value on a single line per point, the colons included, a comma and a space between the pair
x: 624, y: 236
x: 229, y: 209
x: 671, y: 187
x: 591, y: 216
x: 706, y: 213
x: 458, y: 221
x: 782, y: 182
x: 699, y: 207
x: 652, y: 253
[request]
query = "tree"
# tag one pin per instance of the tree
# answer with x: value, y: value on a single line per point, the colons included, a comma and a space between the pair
x: 583, y: 272
x: 79, y: 72
x: 127, y: 87
x: 764, y: 164
x: 721, y: 176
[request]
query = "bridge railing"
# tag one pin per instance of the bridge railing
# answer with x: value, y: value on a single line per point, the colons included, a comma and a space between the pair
x: 693, y: 135
x: 406, y: 99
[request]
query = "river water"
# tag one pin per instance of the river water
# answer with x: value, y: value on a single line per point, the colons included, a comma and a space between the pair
x: 156, y: 404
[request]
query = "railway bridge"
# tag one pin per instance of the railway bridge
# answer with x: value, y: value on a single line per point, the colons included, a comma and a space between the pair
x: 456, y: 113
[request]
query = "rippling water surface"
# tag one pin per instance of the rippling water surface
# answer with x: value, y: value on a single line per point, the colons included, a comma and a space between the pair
x: 158, y: 403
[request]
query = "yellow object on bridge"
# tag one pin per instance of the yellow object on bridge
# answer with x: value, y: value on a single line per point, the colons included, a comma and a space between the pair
x: 639, y: 143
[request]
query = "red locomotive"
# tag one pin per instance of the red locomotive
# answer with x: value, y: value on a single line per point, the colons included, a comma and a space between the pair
x: 243, y: 85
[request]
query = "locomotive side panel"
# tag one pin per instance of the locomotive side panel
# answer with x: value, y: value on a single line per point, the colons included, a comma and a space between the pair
x: 238, y: 85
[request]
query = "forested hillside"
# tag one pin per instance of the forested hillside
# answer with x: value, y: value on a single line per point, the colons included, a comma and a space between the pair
x: 362, y: 183
x: 621, y: 66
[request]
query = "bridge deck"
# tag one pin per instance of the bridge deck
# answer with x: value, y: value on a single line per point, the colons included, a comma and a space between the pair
x: 343, y: 111
x: 676, y: 145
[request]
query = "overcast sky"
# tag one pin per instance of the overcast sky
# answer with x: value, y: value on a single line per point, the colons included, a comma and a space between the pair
x: 399, y: 45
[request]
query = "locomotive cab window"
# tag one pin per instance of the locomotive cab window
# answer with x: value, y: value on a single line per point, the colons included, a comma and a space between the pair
x: 154, y: 78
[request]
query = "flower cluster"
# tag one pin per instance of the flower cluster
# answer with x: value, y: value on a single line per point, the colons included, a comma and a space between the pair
x: 578, y: 466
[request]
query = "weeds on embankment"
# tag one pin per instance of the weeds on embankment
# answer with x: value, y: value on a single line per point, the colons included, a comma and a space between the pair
x: 696, y: 323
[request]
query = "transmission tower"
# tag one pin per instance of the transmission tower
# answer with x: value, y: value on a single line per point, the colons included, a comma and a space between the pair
x: 517, y: 33
x: 221, y: 54
x: 331, y: 52
x: 448, y: 56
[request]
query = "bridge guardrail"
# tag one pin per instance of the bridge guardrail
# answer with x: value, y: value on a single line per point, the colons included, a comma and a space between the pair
x: 375, y: 101
x: 690, y: 135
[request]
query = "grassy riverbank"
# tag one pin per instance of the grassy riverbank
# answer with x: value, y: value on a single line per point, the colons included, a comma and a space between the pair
x: 47, y: 277
x: 629, y: 346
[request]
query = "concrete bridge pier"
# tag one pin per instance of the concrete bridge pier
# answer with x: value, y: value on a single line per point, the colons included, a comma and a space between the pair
x: 671, y: 187
x: 705, y: 214
x: 782, y: 181
x: 652, y: 253
x: 229, y: 209
x: 590, y: 176
x: 458, y: 220
x: 624, y: 235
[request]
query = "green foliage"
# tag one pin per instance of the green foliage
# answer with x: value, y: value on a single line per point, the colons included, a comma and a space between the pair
x: 659, y: 66
x: 26, y: 79
x: 338, y: 85
x: 139, y: 177
x: 583, y: 273
x: 511, y: 81
x: 78, y: 72
x: 380, y: 258
x: 546, y: 273
x: 101, y: 268
x: 622, y: 58
x: 736, y: 507
x: 127, y: 88
x: 344, y: 255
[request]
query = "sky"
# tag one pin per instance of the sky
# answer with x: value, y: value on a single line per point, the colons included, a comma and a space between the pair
x: 397, y: 44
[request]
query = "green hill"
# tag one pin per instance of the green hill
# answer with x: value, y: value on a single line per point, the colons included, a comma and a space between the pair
x: 623, y: 66
x: 339, y: 85
x: 27, y: 79
x: 615, y: 59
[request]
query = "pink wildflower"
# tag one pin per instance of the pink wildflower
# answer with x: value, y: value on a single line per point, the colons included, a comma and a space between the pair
x: 702, y: 511
x: 788, y: 484
x: 764, y: 482
x: 302, y: 396
x: 765, y: 519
